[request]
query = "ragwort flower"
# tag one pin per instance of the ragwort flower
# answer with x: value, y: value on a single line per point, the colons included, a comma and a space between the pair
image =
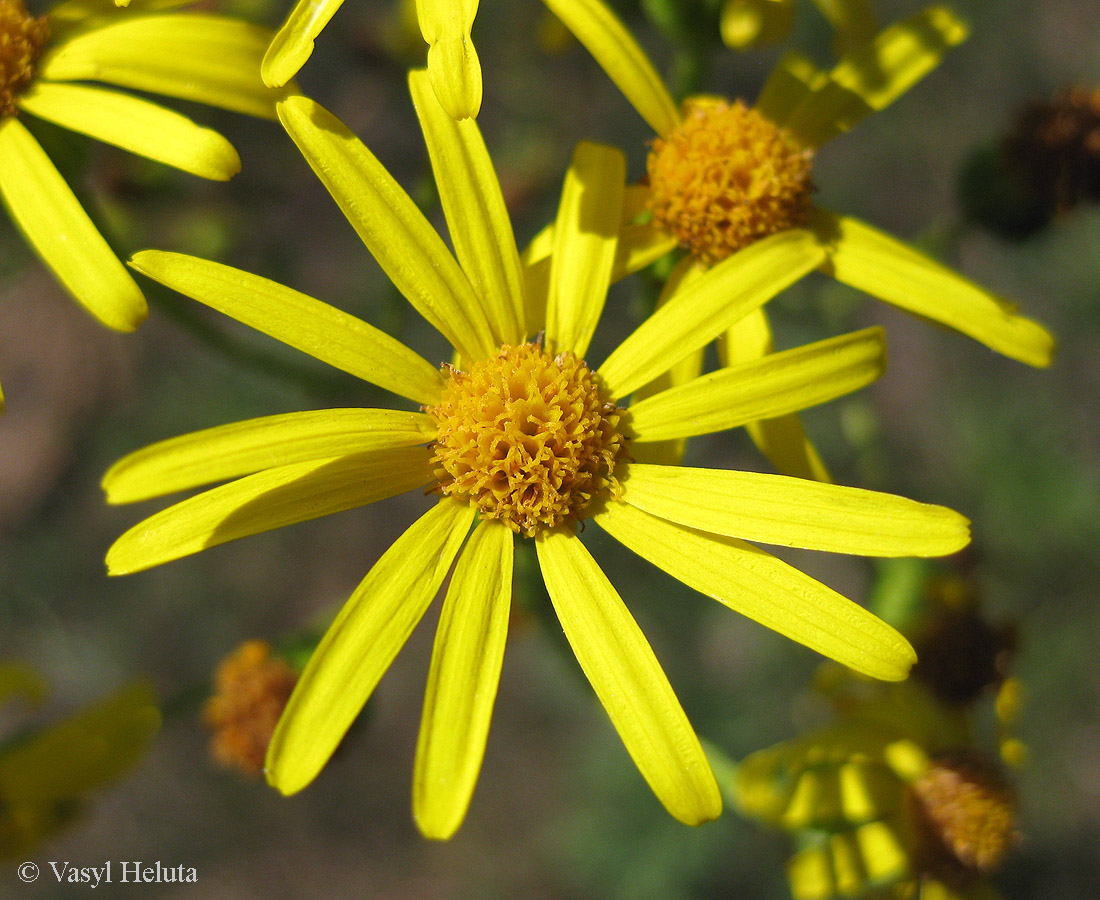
x: 755, y: 23
x: 43, y: 64
x: 453, y: 66
x: 722, y: 175
x: 47, y: 774
x: 521, y: 437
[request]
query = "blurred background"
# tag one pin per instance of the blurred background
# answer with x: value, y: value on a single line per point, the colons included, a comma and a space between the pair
x: 560, y: 811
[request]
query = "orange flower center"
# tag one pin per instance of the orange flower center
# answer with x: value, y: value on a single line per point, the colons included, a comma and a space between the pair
x: 22, y: 38
x: 527, y: 437
x: 727, y: 177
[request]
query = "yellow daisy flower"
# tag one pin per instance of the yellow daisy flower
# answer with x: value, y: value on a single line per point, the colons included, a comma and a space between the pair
x: 43, y: 64
x: 722, y: 175
x: 45, y: 775
x: 521, y: 438
x: 756, y: 23
x: 453, y: 66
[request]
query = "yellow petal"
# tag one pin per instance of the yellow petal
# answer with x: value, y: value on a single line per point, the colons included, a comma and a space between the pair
x: 621, y: 58
x: 763, y: 588
x: 783, y: 440
x: 268, y: 500
x: 136, y: 125
x: 309, y: 325
x: 755, y: 23
x: 764, y: 388
x: 875, y: 262
x: 876, y: 73
x: 794, y: 512
x: 88, y: 750
x: 640, y: 245
x: 53, y: 221
x: 241, y: 448
x: 790, y: 82
x: 362, y: 642
x: 394, y: 230
x: 293, y: 42
x: 210, y: 59
x: 473, y: 203
x: 670, y: 452
x: 453, y: 66
x: 708, y: 306
x: 585, y: 235
x: 853, y: 21
x: 628, y: 679
x: 462, y: 681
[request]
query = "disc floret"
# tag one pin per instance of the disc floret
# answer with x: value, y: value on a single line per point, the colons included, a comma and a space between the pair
x: 527, y: 437
x: 727, y: 177
x: 22, y: 38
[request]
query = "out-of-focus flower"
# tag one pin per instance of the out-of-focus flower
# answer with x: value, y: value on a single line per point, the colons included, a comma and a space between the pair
x: 1046, y: 166
x: 895, y: 797
x: 521, y: 437
x: 453, y: 66
x: 722, y: 175
x: 43, y: 62
x: 46, y: 775
x: 756, y: 23
x: 251, y: 689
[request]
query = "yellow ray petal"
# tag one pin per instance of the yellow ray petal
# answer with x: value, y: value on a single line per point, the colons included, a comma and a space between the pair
x: 783, y: 441
x: 453, y: 66
x: 585, y: 235
x: 628, y: 679
x: 793, y: 78
x: 241, y: 448
x: 853, y: 21
x: 755, y: 23
x: 794, y: 512
x: 621, y: 58
x: 193, y: 56
x: 88, y: 750
x: 136, y: 125
x: 764, y: 388
x: 708, y: 306
x: 394, y: 230
x: 640, y: 245
x: 473, y: 203
x: 268, y: 500
x: 763, y: 588
x: 881, y: 265
x: 876, y: 73
x: 462, y: 681
x: 362, y: 642
x: 53, y: 221
x: 309, y: 325
x: 293, y: 42
x: 670, y: 453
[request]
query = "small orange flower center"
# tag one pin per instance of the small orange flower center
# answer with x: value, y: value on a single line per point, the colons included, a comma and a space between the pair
x: 727, y: 177
x: 967, y: 811
x: 527, y: 437
x: 251, y: 690
x: 22, y: 38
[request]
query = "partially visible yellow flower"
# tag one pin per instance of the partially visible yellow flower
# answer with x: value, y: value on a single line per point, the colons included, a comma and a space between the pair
x: 453, y: 66
x: 45, y: 775
x: 43, y: 62
x: 892, y: 799
x: 523, y: 437
x: 755, y: 23
x: 722, y: 175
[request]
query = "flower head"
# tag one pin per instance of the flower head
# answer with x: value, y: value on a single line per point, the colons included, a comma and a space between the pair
x: 522, y: 437
x: 707, y: 200
x: 43, y: 64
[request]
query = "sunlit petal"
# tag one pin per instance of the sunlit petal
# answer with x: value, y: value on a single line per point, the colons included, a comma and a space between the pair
x: 293, y: 42
x: 453, y: 66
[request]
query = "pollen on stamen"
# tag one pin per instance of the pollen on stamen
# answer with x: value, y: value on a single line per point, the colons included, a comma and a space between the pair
x: 727, y: 177
x: 527, y: 437
x: 22, y: 38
